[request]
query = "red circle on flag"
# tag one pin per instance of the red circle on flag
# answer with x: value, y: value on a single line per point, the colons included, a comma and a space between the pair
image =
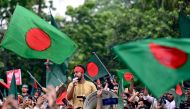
x: 37, y: 39
x: 128, y: 76
x: 168, y: 56
x: 92, y: 69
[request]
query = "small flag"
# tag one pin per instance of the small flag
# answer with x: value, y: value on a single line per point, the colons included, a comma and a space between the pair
x: 13, y: 88
x: 95, y: 69
x: 178, y: 90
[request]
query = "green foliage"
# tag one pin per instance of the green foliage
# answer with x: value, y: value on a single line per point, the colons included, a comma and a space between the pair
x: 137, y: 24
x: 98, y: 25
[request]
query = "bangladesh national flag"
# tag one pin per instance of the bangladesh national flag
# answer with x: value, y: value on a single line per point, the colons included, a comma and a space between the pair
x: 160, y: 64
x: 179, y: 95
x: 53, y: 22
x: 184, y: 25
x: 31, y: 37
x: 125, y: 75
x: 13, y: 88
x: 34, y: 87
x: 95, y: 69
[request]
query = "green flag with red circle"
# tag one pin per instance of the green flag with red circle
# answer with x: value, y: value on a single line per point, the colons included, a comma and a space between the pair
x: 31, y: 37
x: 95, y: 69
x: 160, y: 63
x: 125, y: 76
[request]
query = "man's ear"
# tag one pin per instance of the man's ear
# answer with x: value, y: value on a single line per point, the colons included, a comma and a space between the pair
x: 83, y: 75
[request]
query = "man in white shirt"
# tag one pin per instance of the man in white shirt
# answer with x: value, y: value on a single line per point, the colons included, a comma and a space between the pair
x: 170, y: 102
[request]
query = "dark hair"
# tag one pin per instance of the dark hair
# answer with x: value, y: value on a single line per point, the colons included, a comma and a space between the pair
x: 81, y: 67
x: 116, y: 85
x: 28, y: 97
x: 127, y: 94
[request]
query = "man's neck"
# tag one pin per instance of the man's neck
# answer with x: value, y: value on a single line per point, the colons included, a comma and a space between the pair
x: 82, y: 81
x: 24, y: 94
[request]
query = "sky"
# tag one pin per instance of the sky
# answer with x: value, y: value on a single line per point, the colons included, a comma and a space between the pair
x: 61, y: 6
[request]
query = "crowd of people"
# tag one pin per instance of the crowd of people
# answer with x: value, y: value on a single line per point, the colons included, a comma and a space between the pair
x: 79, y: 89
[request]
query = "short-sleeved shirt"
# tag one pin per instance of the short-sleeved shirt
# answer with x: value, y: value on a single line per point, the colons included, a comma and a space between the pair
x: 81, y: 90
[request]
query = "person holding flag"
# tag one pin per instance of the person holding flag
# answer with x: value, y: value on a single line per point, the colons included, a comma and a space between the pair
x: 79, y: 89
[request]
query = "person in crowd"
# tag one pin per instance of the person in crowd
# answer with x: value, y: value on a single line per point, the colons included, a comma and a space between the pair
x: 114, y: 81
x: 48, y: 100
x: 141, y: 104
x: 10, y: 103
x: 170, y: 102
x: 99, y: 99
x: 165, y: 102
x: 28, y: 103
x: 185, y: 104
x: 115, y: 89
x: 130, y: 96
x: 79, y: 89
x: 24, y: 90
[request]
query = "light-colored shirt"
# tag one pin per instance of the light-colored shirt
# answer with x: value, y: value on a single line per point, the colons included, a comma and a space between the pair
x: 151, y: 100
x: 170, y: 105
x: 81, y: 90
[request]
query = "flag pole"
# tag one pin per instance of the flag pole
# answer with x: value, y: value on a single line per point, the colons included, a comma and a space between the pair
x: 34, y: 79
x: 101, y: 63
x: 60, y: 81
x: 2, y: 94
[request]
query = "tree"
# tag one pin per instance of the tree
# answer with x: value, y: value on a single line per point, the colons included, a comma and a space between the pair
x: 98, y: 25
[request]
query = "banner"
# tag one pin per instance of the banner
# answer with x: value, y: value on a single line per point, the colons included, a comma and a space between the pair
x: 17, y: 73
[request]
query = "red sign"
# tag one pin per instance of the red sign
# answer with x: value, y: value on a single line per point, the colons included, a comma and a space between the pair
x: 17, y: 73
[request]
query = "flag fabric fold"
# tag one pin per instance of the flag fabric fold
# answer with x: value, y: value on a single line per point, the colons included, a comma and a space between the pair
x: 13, y: 88
x: 55, y: 73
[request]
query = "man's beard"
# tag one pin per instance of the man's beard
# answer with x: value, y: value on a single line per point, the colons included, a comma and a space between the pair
x: 170, y: 100
x: 79, y: 79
